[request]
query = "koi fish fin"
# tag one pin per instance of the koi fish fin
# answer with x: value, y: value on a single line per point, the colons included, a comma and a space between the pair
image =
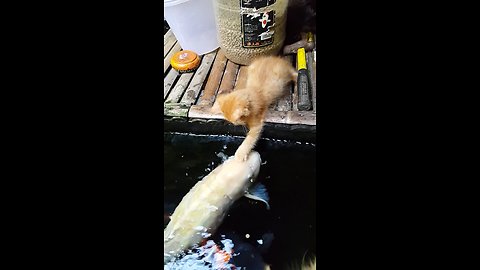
x: 258, y: 192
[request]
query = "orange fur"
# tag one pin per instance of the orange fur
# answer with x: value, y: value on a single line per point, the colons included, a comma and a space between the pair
x: 266, y: 80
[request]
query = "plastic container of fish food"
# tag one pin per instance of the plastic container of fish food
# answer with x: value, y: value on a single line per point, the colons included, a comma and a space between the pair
x: 185, y: 61
x: 193, y: 24
x: 250, y: 28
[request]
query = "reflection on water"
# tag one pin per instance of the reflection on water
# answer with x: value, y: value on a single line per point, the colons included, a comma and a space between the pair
x: 288, y: 172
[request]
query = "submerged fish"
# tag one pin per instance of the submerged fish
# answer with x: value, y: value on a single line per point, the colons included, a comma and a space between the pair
x: 206, y: 257
x: 202, y: 210
x: 230, y: 254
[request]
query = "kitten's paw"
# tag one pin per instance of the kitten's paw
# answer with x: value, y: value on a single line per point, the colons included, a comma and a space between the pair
x: 241, y: 156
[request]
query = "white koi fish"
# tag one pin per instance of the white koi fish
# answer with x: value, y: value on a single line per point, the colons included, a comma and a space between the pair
x: 202, y: 210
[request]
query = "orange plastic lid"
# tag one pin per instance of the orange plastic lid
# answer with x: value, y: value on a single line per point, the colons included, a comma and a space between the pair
x: 185, y: 61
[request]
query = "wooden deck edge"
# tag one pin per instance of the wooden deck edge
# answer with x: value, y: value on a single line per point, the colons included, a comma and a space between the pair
x: 305, y: 133
x: 276, y: 117
x: 175, y: 109
x: 200, y: 111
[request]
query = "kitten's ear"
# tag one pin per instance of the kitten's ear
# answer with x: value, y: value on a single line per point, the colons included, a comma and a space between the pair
x: 246, y: 111
x: 241, y: 112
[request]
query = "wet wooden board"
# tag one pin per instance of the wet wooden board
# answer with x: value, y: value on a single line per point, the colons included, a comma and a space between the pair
x: 198, y: 111
x: 190, y: 95
x: 198, y: 80
x: 272, y: 116
x: 213, y: 82
x: 176, y: 94
x: 179, y: 88
x: 168, y: 42
x: 285, y: 103
x: 166, y: 60
x: 229, y: 78
x: 241, y: 77
x: 175, y: 110
x: 168, y: 81
x: 295, y: 98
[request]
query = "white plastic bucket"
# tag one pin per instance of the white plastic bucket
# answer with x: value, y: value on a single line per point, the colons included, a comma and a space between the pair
x: 193, y: 24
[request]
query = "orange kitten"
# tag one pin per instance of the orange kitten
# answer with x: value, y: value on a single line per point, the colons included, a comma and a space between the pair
x: 266, y: 80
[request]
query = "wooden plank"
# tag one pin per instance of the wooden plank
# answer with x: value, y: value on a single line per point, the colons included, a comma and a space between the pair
x: 179, y: 88
x: 213, y: 81
x: 199, y: 111
x: 175, y: 109
x: 166, y: 61
x: 168, y: 42
x: 198, y: 79
x: 168, y: 81
x: 295, y: 98
x: 229, y: 78
x: 241, y: 77
x: 276, y: 117
x: 301, y: 118
x: 167, y: 37
x: 311, y: 67
x: 285, y: 103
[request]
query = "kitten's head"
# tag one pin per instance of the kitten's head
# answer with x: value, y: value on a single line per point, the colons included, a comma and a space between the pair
x: 234, y: 106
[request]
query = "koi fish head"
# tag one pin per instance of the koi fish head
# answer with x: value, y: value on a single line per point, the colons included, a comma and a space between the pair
x: 236, y: 176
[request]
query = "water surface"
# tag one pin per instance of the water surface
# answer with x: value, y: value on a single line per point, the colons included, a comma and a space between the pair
x: 288, y: 172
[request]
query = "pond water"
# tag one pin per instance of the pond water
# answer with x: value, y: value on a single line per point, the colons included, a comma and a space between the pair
x: 283, y: 235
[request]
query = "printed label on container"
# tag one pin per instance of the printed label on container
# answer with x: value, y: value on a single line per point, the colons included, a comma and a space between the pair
x: 256, y: 3
x: 256, y: 30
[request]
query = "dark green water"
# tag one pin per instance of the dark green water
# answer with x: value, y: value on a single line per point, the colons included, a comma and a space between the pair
x: 288, y: 172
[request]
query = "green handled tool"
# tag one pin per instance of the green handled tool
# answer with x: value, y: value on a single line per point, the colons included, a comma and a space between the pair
x: 304, y: 102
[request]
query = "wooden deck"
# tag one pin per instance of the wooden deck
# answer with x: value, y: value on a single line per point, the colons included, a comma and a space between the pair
x: 189, y: 96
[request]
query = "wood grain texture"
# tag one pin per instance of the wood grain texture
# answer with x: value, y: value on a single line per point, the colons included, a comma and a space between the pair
x: 168, y: 81
x: 168, y: 42
x: 198, y: 111
x: 295, y: 98
x: 285, y: 103
x: 193, y: 90
x: 276, y: 117
x: 179, y: 88
x: 167, y: 37
x: 175, y: 109
x: 301, y: 118
x: 241, y: 77
x: 214, y: 79
x: 229, y: 78
x: 295, y: 90
x: 166, y: 62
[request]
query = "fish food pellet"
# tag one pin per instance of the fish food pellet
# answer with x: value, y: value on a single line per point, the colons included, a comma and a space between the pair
x: 247, y: 29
